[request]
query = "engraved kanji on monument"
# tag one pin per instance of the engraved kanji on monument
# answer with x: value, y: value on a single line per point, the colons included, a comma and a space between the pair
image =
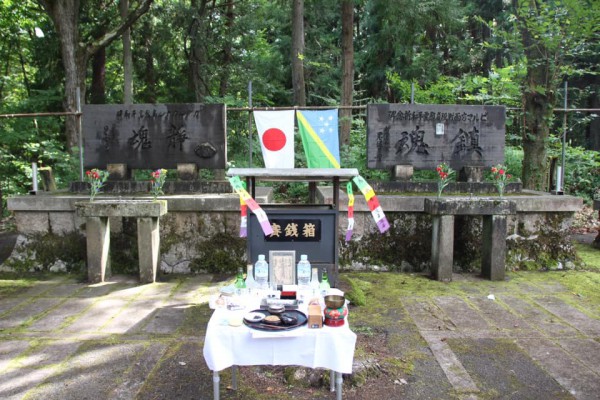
x: 150, y: 136
x: 426, y: 135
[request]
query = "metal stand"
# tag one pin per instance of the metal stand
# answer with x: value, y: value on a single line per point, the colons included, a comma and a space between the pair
x: 234, y: 377
x: 335, y: 379
x: 216, y: 380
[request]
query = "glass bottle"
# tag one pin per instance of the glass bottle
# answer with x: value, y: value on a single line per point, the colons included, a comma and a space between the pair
x: 250, y: 282
x: 324, y: 286
x: 314, y: 281
x: 239, y: 281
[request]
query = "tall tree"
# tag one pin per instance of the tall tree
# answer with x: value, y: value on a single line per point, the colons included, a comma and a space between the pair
x: 76, y: 50
x: 551, y: 33
x: 347, y: 69
x: 227, y: 57
x: 197, y: 55
x: 298, y: 84
x: 127, y: 56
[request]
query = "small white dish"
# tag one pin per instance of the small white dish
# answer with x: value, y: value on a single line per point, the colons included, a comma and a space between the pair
x: 254, y: 317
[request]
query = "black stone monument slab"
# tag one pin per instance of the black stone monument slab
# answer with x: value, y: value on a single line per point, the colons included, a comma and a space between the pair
x: 151, y: 136
x: 426, y: 135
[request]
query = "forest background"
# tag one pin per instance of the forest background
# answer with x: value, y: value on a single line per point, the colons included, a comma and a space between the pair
x: 516, y: 53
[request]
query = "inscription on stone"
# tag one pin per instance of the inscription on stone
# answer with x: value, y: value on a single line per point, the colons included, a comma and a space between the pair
x: 426, y: 135
x: 150, y: 136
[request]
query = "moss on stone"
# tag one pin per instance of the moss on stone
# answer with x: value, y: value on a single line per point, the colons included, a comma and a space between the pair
x: 220, y: 253
x: 408, y: 241
x: 544, y: 247
x: 355, y: 295
x: 42, y: 252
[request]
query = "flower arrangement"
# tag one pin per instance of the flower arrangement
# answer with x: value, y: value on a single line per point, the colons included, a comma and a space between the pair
x: 158, y: 180
x: 96, y: 178
x: 445, y: 175
x: 501, y: 178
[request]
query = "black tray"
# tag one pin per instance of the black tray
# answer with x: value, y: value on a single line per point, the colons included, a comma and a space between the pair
x: 262, y: 326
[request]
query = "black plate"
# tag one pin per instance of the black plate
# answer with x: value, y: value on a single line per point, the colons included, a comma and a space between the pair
x: 262, y: 326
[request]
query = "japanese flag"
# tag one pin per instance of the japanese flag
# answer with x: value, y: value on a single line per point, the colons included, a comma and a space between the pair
x: 276, y: 133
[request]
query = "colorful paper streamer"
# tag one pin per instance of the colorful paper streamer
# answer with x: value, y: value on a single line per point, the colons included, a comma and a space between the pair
x: 261, y: 216
x: 350, y: 212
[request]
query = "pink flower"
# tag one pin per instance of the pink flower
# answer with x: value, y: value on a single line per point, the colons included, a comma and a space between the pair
x: 501, y: 172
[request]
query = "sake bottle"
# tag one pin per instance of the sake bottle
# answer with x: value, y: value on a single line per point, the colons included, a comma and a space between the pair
x: 239, y: 281
x: 324, y: 286
x: 250, y: 282
x: 314, y: 281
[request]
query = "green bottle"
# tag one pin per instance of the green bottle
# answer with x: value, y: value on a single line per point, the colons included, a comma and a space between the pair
x: 239, y: 280
x: 324, y: 281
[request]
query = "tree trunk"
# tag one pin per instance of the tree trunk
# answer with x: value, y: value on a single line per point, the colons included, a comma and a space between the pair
x: 127, y: 57
x: 298, y: 84
x: 197, y: 56
x: 65, y: 16
x: 537, y: 115
x: 97, y: 90
x: 347, y: 70
x: 149, y: 75
x: 1, y: 202
x: 593, y: 130
x: 538, y: 102
x: 227, y: 55
x: 75, y: 55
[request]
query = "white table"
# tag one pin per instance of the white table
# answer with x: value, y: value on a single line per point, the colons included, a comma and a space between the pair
x: 227, y: 346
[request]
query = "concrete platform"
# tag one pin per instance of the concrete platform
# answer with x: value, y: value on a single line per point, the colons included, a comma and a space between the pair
x: 60, y: 339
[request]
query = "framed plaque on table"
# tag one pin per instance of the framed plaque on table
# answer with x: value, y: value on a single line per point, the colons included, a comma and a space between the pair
x: 282, y: 267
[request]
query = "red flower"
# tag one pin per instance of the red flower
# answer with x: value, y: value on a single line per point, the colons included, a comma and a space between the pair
x: 501, y: 172
x: 494, y: 170
x: 508, y: 176
x: 88, y: 173
x: 439, y: 169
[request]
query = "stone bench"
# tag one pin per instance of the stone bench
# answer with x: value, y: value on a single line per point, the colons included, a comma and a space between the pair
x: 493, y: 211
x: 97, y: 229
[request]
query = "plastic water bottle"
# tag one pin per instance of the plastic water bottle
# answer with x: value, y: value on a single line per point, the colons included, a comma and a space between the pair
x: 261, y: 272
x: 303, y: 271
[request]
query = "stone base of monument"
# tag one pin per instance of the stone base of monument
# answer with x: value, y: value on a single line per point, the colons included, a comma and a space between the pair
x: 187, y: 172
x: 170, y: 187
x: 97, y: 229
x: 471, y: 174
x: 493, y: 211
x: 118, y: 172
x: 403, y: 172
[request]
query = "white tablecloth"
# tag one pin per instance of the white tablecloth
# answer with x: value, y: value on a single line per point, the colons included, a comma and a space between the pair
x: 225, y: 346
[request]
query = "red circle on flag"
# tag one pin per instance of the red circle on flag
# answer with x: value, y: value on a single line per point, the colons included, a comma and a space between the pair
x: 274, y: 139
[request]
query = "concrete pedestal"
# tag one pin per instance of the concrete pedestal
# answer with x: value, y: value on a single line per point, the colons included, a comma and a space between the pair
x: 493, y: 252
x: 493, y: 212
x: 97, y: 228
x: 442, y: 247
